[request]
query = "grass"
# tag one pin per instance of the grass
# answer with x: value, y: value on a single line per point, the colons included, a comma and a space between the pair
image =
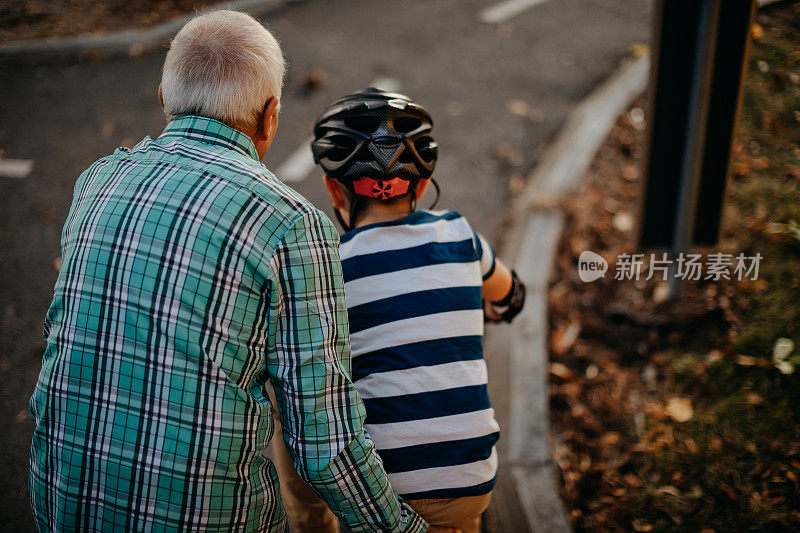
x: 738, y: 459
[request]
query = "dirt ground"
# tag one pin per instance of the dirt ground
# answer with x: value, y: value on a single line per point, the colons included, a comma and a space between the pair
x: 35, y: 19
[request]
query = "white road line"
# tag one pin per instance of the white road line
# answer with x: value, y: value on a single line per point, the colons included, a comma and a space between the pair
x: 16, y: 168
x: 503, y: 11
x: 387, y: 84
x: 300, y: 163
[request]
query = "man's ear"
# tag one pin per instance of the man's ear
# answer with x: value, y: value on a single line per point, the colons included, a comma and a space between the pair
x: 160, y: 96
x: 269, y: 119
x: 421, y: 186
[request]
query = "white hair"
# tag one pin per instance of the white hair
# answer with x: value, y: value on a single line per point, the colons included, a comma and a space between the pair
x: 223, y: 65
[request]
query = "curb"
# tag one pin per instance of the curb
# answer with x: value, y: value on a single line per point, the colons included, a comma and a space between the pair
x: 536, y: 227
x: 124, y: 43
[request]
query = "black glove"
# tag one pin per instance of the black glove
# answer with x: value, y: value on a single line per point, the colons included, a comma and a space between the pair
x: 512, y: 303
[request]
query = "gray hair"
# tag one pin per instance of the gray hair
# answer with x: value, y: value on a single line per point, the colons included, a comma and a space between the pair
x: 223, y: 65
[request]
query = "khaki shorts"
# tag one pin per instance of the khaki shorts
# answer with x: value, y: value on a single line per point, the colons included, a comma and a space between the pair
x: 306, y: 511
x: 462, y: 513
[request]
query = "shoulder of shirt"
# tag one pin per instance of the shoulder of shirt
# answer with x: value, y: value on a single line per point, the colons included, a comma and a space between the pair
x: 422, y: 217
x: 249, y: 176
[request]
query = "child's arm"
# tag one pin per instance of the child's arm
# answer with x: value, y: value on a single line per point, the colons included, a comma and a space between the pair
x: 503, y: 291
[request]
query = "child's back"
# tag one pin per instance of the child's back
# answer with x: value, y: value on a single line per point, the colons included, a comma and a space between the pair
x: 413, y: 289
x: 415, y: 283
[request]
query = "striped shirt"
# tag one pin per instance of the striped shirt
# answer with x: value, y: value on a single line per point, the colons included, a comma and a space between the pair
x: 190, y: 277
x: 413, y: 289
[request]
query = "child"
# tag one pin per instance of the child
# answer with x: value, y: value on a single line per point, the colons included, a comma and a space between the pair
x: 414, y: 285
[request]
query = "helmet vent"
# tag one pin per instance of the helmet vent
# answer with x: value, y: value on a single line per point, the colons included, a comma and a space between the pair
x: 363, y: 123
x: 406, y: 156
x: 406, y: 124
x: 424, y: 149
x: 342, y: 147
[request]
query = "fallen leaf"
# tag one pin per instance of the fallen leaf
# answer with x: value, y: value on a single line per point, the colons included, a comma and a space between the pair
x: 746, y: 360
x: 793, y: 170
x: 694, y: 493
x: 631, y: 480
x: 518, y: 107
x: 640, y: 49
x: 714, y: 356
x: 753, y: 398
x: 610, y: 438
x: 691, y: 445
x: 668, y: 489
x: 516, y: 185
x: 107, y: 130
x: 782, y: 349
x: 630, y: 172
x: 623, y: 221
x: 785, y: 367
x: 314, y: 80
x: 560, y: 370
x: 564, y: 337
x: 641, y: 525
x: 680, y: 409
x: 761, y: 163
x: 661, y: 292
x: 741, y: 168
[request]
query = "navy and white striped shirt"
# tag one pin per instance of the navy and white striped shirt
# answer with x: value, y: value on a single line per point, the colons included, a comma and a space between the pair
x: 413, y: 291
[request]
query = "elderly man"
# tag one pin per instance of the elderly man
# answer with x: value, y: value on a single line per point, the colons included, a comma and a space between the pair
x: 190, y: 279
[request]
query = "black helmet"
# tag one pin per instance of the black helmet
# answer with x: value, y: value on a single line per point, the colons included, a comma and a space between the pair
x: 379, y: 135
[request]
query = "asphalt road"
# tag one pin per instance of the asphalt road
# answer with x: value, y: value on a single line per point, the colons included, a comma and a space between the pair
x: 497, y: 93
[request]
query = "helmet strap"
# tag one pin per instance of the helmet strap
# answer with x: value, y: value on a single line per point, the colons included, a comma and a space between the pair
x: 438, y: 193
x: 339, y: 217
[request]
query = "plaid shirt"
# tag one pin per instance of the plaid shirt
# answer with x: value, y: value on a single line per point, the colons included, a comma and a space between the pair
x: 191, y: 277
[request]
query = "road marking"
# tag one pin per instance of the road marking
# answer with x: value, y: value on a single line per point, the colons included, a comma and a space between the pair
x: 503, y: 11
x: 16, y: 168
x: 300, y: 163
x: 387, y: 84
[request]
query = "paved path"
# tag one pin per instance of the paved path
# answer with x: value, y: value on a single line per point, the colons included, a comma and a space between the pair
x: 549, y: 55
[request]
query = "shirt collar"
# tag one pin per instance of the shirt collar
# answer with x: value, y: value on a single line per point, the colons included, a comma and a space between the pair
x: 210, y: 131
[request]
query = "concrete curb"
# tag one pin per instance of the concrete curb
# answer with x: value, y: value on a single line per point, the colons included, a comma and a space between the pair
x: 125, y: 43
x: 537, y: 224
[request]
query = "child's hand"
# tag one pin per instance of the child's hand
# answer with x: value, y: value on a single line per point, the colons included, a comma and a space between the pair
x: 443, y: 529
x: 490, y: 314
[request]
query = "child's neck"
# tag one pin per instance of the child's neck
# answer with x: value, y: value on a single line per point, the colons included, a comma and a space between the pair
x: 379, y: 212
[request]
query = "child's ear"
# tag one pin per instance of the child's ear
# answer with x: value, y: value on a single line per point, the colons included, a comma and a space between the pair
x: 335, y: 192
x: 421, y: 186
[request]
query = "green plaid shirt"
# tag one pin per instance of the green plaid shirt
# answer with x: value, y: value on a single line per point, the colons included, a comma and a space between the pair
x: 190, y: 278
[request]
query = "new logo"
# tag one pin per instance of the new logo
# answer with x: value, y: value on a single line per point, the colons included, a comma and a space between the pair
x: 591, y: 266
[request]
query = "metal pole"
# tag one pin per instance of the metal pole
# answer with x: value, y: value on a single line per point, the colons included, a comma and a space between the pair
x: 691, y: 159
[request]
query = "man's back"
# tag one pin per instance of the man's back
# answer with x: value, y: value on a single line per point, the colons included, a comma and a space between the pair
x: 413, y: 290
x: 151, y: 393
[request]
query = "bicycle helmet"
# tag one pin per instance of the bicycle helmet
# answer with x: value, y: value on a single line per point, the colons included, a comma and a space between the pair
x: 376, y: 143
